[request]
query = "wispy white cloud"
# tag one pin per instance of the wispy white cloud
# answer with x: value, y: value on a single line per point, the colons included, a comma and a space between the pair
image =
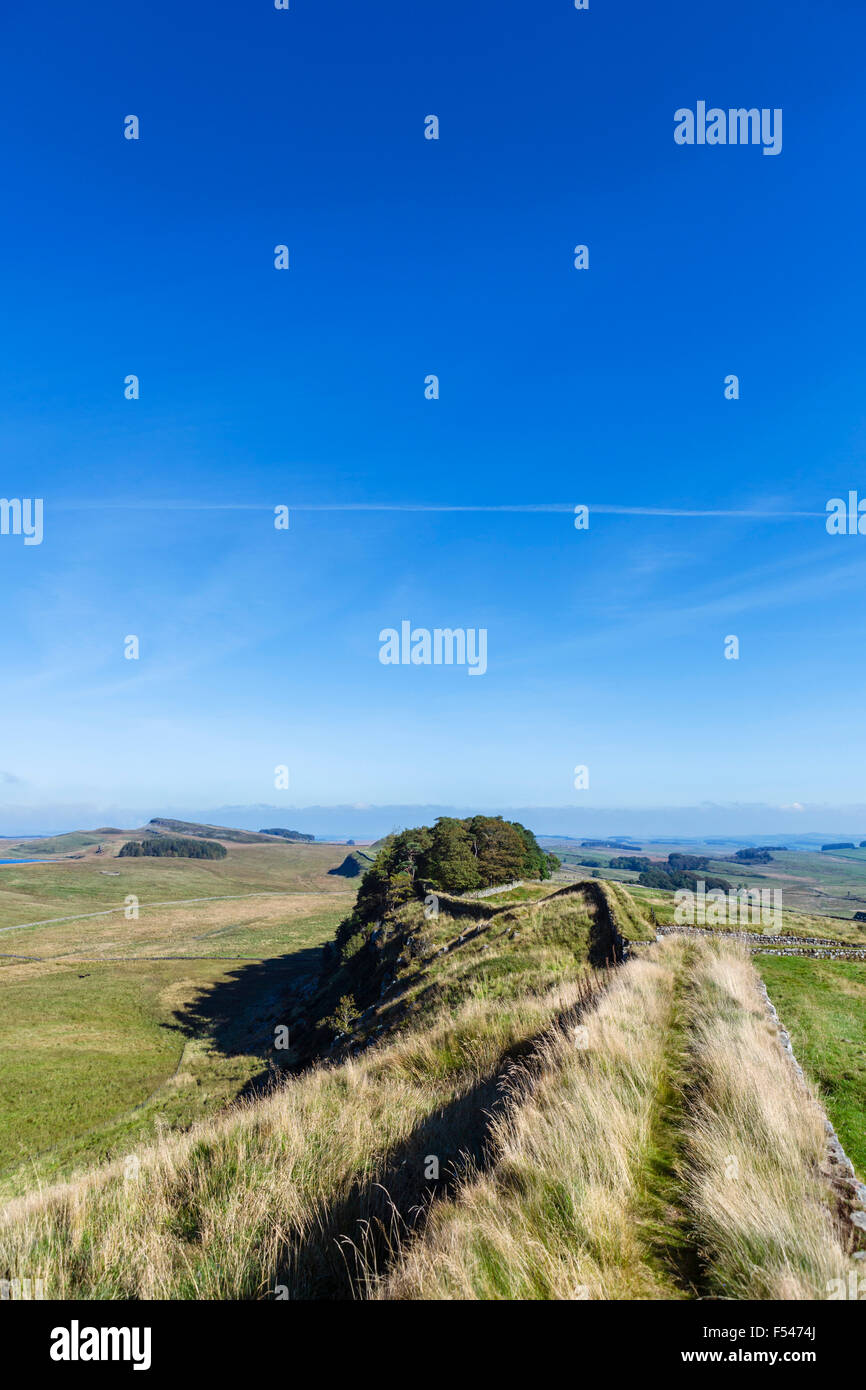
x: 601, y: 508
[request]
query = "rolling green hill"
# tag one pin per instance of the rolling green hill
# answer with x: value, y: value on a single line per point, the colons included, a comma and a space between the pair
x: 159, y: 825
x: 110, y: 837
x: 63, y: 844
x: 498, y: 1117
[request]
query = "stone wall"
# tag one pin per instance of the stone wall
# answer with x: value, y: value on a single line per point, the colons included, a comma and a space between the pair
x: 773, y: 944
x: 840, y: 1169
x: 608, y: 945
x: 497, y: 888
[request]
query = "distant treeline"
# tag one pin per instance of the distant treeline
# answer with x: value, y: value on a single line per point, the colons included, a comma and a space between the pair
x: 638, y: 864
x: 847, y: 844
x: 681, y: 878
x: 290, y: 835
x: 172, y: 847
x: 607, y: 844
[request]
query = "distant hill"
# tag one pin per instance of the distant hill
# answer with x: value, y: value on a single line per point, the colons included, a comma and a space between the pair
x: 64, y: 844
x: 291, y: 835
x: 160, y: 825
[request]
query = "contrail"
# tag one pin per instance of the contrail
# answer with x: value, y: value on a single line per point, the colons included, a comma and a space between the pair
x: 602, y: 508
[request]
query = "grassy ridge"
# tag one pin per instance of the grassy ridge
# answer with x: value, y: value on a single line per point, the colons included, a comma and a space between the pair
x: 500, y: 1122
x: 560, y: 1213
x: 261, y: 1198
x: 580, y: 1193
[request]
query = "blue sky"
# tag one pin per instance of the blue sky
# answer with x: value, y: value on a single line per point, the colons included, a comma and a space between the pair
x: 306, y: 388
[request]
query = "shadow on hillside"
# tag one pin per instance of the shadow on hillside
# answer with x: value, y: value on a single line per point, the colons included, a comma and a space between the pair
x: 238, y: 1014
x: 358, y: 1238
x: 360, y: 1235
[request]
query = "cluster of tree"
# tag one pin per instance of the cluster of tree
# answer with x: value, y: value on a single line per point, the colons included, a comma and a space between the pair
x: 681, y: 871
x: 455, y: 856
x: 671, y: 879
x: 172, y: 847
x: 678, y: 862
x: 290, y: 835
x: 848, y: 844
x: 754, y: 856
x: 630, y: 861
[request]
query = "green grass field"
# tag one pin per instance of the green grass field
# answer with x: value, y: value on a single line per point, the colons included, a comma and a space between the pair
x: 36, y: 892
x: 111, y: 1028
x: 823, y: 1005
x: 117, y: 1030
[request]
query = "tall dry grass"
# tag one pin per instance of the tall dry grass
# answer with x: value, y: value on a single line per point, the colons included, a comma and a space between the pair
x: 321, y: 1188
x: 272, y: 1199
x: 559, y: 1216
x: 762, y: 1208
x: 567, y: 1209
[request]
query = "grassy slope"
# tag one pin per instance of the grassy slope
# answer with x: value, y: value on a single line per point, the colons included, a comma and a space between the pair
x: 53, y: 844
x: 756, y: 1145
x: 561, y: 1212
x: 259, y: 1198
x: 633, y: 917
x: 593, y: 1170
x: 77, y: 1048
x: 34, y: 892
x: 823, y: 1004
x: 114, y: 1026
x: 84, y: 1045
x: 613, y: 1179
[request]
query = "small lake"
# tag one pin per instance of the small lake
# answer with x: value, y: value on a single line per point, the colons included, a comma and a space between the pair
x: 25, y: 861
